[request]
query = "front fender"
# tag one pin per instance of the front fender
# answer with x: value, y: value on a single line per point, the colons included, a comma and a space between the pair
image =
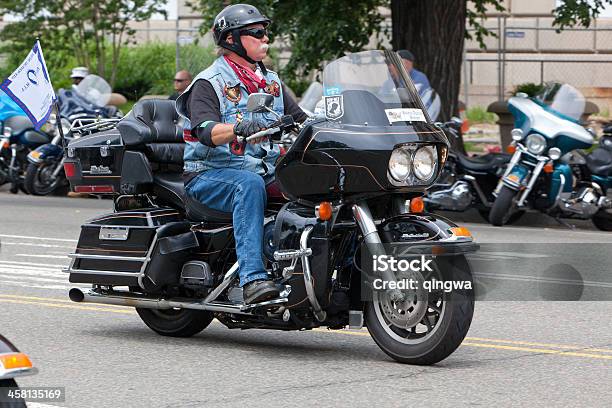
x: 516, y: 178
x: 427, y: 234
x: 44, y: 153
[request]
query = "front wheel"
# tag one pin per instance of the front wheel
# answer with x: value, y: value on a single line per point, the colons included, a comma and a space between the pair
x: 502, y: 209
x: 424, y: 330
x: 5, y: 386
x: 175, y: 322
x: 39, y: 179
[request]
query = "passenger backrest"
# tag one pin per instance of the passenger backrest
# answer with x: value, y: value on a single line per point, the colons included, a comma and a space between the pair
x: 153, y: 126
x: 151, y: 121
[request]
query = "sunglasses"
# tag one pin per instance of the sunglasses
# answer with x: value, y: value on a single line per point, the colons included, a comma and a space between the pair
x: 258, y: 33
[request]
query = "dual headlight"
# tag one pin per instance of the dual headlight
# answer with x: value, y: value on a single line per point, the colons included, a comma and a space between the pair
x: 420, y: 162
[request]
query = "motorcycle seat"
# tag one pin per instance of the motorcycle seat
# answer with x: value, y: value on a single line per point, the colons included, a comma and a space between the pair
x: 170, y: 188
x: 599, y: 161
x: 151, y: 121
x: 485, y: 162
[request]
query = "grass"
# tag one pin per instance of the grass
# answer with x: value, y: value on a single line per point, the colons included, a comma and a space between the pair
x: 478, y: 114
x: 126, y: 107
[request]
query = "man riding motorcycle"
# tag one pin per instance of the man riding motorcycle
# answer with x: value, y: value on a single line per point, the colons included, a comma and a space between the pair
x: 220, y: 172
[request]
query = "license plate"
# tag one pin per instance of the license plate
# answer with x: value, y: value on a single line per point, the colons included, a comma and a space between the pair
x: 114, y: 233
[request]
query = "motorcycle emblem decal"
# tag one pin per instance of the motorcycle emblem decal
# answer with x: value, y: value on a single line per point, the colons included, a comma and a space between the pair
x: 273, y: 89
x: 232, y: 93
x: 99, y: 170
x: 334, y: 107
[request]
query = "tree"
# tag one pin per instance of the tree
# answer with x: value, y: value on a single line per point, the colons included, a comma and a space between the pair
x: 81, y: 27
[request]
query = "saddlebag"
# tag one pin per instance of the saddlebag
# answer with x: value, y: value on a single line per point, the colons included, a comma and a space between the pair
x: 141, y: 248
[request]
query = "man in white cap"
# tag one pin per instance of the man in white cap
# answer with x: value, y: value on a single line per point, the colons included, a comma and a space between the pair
x: 78, y: 74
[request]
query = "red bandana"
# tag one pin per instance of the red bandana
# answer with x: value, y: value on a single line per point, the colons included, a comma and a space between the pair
x: 247, y: 76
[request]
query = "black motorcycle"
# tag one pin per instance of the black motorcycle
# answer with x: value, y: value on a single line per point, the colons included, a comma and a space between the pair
x: 355, y: 177
x: 19, y: 138
x: 466, y: 182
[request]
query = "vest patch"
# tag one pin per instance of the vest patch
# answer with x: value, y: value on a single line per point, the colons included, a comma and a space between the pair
x: 232, y: 93
x: 273, y: 89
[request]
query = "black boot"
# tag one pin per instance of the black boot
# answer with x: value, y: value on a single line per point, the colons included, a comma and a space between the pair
x: 259, y: 291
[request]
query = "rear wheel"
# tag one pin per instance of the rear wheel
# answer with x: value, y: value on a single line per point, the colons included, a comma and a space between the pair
x: 424, y: 329
x: 603, y: 220
x: 503, y: 207
x: 5, y: 385
x: 175, y: 322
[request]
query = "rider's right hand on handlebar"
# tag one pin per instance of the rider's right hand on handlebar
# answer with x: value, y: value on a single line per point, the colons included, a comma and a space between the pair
x: 247, y: 128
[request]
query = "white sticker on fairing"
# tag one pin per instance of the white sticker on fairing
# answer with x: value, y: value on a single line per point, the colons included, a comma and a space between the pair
x: 405, y: 115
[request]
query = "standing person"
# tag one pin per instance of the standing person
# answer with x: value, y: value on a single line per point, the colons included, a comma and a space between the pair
x: 417, y: 76
x: 182, y: 80
x: 220, y: 172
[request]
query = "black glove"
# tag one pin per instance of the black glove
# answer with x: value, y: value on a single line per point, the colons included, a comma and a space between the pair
x: 247, y: 128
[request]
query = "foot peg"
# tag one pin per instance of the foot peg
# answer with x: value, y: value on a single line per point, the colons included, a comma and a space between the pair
x: 289, y: 254
x: 283, y: 298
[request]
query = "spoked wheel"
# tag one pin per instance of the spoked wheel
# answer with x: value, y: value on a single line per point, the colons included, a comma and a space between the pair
x: 39, y: 179
x: 175, y: 322
x: 426, y: 326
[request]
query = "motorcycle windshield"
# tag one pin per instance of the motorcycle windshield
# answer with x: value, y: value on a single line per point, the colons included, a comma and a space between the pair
x: 371, y: 88
x: 563, y: 100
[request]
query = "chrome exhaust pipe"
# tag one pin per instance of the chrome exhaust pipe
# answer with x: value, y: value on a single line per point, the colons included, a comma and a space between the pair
x: 145, y: 302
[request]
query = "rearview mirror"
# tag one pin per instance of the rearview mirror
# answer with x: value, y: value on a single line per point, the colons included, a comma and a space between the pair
x: 259, y: 102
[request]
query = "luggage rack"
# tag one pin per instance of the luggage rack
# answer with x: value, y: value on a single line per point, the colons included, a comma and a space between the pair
x: 87, y: 126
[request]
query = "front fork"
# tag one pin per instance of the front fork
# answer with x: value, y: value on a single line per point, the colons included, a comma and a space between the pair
x: 363, y: 217
x: 542, y: 160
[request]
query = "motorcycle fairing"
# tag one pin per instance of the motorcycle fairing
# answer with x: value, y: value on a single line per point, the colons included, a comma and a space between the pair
x: 530, y: 116
x: 329, y: 160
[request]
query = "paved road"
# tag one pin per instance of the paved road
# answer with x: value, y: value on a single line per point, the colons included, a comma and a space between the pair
x: 516, y: 353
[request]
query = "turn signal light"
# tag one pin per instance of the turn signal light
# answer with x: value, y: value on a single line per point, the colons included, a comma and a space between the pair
x: 465, y: 126
x: 15, y: 360
x: 417, y: 205
x: 324, y: 211
x: 548, y: 167
x: 511, y: 149
x: 94, y: 189
x: 5, y: 144
x: 460, y: 232
x: 70, y: 169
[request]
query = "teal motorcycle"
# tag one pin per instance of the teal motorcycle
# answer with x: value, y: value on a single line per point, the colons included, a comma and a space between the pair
x: 548, y: 171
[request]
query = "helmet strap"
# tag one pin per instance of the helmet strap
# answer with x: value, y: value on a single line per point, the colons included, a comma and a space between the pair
x: 237, y: 46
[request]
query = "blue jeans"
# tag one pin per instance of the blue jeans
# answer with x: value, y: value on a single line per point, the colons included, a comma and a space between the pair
x: 243, y: 193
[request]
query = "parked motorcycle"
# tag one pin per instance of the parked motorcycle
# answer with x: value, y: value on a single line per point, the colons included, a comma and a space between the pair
x: 466, y: 182
x: 79, y: 108
x: 13, y: 364
x: 19, y: 138
x: 352, y: 177
x: 540, y: 176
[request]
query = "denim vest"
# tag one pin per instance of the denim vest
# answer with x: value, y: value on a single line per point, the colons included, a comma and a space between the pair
x: 233, y: 95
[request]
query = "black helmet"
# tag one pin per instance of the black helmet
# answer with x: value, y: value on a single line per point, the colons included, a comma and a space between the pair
x: 230, y: 20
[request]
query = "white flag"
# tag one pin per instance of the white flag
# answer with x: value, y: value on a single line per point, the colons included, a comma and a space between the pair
x: 30, y: 87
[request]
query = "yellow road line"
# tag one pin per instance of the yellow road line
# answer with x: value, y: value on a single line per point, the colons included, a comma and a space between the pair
x: 469, y: 341
x: 530, y: 343
x: 67, y: 306
x: 534, y: 350
x: 52, y: 300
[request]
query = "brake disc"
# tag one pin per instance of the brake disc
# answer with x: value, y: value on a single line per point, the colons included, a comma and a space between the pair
x: 411, y: 309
